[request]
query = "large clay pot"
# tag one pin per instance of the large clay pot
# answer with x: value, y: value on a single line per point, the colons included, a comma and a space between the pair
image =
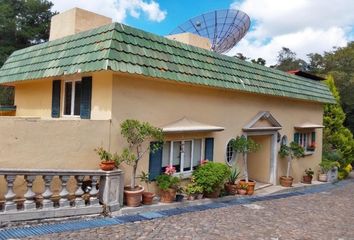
x: 286, y: 181
x: 107, y: 165
x: 242, y: 191
x: 148, y: 198
x: 133, y: 197
x: 322, y: 177
x: 251, y: 184
x: 214, y: 194
x: 168, y: 196
x: 307, y: 179
x: 231, y: 189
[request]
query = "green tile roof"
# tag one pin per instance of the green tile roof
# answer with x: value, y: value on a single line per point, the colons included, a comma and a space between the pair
x: 121, y: 48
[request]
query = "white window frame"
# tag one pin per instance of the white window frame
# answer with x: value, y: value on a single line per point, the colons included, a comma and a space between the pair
x: 305, y: 141
x: 72, y: 104
x: 233, y: 157
x: 182, y: 172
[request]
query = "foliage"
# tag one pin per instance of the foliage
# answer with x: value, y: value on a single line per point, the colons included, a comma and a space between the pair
x: 327, y: 165
x: 22, y: 23
x: 165, y: 181
x: 243, y: 186
x: 233, y: 175
x: 259, y: 61
x: 137, y: 135
x: 144, y: 177
x: 335, y: 135
x: 107, y: 156
x: 193, y: 189
x: 293, y: 151
x: 309, y: 172
x: 211, y: 176
x: 287, y: 61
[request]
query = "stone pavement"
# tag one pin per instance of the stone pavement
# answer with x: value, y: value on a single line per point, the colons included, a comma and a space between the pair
x: 325, y: 214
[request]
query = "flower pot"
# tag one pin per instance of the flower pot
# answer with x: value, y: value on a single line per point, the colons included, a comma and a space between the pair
x: 322, y: 177
x: 191, y: 197
x: 242, y: 191
x: 168, y: 196
x: 107, y: 165
x: 231, y: 189
x: 214, y: 194
x: 179, y: 198
x: 307, y: 179
x: 133, y: 197
x: 148, y: 198
x: 286, y: 181
x: 251, y: 185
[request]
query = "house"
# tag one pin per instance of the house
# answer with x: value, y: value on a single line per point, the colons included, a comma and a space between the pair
x: 72, y: 93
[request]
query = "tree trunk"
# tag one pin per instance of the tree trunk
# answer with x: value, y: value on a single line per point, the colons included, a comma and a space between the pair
x: 132, y: 182
x: 288, y: 168
x: 245, y: 167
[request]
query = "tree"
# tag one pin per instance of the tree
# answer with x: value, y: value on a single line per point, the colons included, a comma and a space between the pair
x: 293, y: 151
x: 22, y: 23
x: 335, y: 135
x: 287, y: 61
x: 259, y: 61
x: 241, y: 56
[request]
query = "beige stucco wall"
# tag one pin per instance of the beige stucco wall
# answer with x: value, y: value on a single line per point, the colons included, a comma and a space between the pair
x: 259, y: 162
x: 160, y: 102
x: 34, y: 98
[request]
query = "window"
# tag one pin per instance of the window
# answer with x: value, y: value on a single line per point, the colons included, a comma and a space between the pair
x: 184, y: 155
x: 230, y: 154
x: 307, y: 140
x: 72, y: 98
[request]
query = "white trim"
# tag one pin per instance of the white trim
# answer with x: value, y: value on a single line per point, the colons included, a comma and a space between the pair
x: 72, y: 104
x: 234, y: 155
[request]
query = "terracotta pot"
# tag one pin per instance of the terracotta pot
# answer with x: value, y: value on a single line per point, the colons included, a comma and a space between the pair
x: 322, y: 177
x: 231, y: 189
x: 307, y: 179
x: 107, y: 165
x: 286, y: 181
x: 179, y: 198
x: 148, y: 198
x: 242, y: 191
x: 168, y: 196
x: 133, y: 197
x: 251, y: 185
x: 214, y: 194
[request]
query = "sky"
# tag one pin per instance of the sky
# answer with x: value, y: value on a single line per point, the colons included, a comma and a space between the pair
x: 304, y: 26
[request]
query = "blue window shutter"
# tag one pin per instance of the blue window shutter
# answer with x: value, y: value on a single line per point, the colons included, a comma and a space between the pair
x: 209, y: 149
x: 56, y: 89
x: 86, y: 95
x: 296, y: 137
x: 155, y: 162
x: 313, y: 136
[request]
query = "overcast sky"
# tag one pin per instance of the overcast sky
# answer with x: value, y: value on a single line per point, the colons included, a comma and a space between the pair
x: 304, y: 26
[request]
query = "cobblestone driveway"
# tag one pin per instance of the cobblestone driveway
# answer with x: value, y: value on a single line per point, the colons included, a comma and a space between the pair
x: 325, y: 215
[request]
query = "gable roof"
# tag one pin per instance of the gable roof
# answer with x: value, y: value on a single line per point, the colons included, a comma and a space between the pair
x: 121, y: 48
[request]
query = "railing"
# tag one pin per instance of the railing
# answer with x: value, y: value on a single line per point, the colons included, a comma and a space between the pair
x: 77, y: 192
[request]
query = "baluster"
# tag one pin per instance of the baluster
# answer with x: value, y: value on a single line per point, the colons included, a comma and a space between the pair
x: 64, y: 202
x: 79, y: 201
x: 29, y: 195
x: 47, y: 202
x: 10, y: 195
x: 94, y: 192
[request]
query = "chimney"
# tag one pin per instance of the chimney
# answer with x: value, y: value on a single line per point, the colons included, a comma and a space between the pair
x: 74, y: 21
x: 191, y: 39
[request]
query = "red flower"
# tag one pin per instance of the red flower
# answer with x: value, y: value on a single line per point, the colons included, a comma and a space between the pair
x: 170, y: 170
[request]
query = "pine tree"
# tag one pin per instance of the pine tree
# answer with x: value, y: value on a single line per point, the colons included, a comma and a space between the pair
x: 335, y: 135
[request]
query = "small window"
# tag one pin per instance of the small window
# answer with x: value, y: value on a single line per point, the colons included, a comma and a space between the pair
x: 307, y: 140
x: 184, y: 155
x: 72, y: 98
x: 284, y: 140
x: 230, y: 154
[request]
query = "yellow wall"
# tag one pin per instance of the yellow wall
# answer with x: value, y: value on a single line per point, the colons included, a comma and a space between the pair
x: 34, y: 98
x: 160, y: 102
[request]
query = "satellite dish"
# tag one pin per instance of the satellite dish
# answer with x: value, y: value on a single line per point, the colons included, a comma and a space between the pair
x: 224, y: 28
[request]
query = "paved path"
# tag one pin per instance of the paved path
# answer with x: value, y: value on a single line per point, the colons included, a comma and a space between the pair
x: 322, y: 215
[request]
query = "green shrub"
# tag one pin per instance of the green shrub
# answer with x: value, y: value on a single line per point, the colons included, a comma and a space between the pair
x: 211, y: 176
x: 165, y: 181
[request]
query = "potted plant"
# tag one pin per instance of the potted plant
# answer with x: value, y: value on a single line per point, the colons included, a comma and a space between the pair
x: 147, y: 195
x: 307, y: 178
x: 290, y: 152
x: 193, y: 191
x: 211, y: 176
x: 138, y: 135
x: 244, y: 145
x: 230, y: 185
x: 108, y: 160
x: 168, y: 184
x: 242, y: 189
x: 325, y: 167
